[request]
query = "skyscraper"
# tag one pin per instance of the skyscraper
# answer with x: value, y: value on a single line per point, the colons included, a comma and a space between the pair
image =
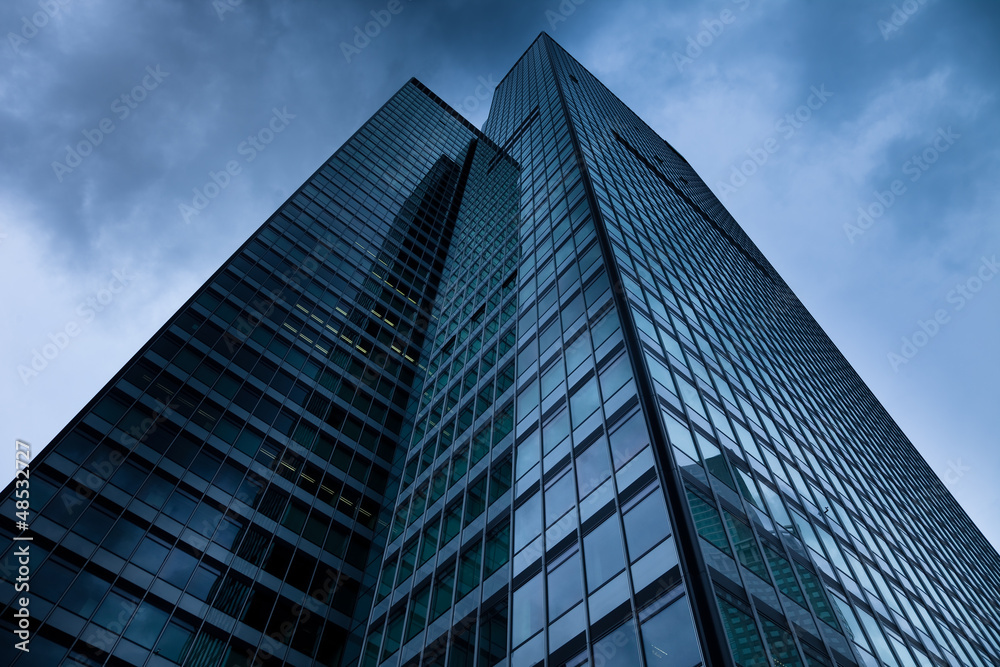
x: 526, y: 395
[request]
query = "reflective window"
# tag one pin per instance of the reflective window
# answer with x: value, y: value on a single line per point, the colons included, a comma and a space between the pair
x: 646, y: 524
x: 669, y: 638
x: 744, y: 640
x: 706, y: 518
x: 781, y: 644
x: 565, y: 585
x: 559, y: 498
x: 146, y: 625
x: 618, y: 649
x: 527, y: 521
x: 603, y: 552
x: 593, y: 466
x: 528, y: 612
x: 746, y: 547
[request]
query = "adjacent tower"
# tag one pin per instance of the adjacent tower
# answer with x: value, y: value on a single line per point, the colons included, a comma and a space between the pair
x: 520, y: 396
x: 224, y: 500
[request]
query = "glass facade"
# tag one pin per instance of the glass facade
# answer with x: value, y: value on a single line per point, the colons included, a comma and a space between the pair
x: 226, y: 498
x: 512, y: 397
x: 822, y: 537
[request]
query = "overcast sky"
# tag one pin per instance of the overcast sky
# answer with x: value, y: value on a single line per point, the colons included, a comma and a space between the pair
x: 114, y: 116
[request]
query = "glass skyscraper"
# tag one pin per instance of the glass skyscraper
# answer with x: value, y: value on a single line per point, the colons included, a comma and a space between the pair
x: 519, y: 396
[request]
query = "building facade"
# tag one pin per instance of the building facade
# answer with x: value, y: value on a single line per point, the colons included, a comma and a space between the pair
x: 519, y: 396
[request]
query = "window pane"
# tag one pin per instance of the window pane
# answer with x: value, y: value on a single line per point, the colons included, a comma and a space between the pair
x: 150, y: 554
x: 603, y: 550
x: 468, y: 571
x: 527, y: 522
x: 781, y: 644
x: 565, y: 586
x: 619, y: 649
x: 178, y: 567
x: 746, y: 547
x: 744, y: 640
x: 146, y: 625
x: 559, y: 498
x: 706, y: 519
x: 646, y: 524
x: 174, y: 643
x: 668, y: 639
x: 784, y: 576
x: 629, y: 439
x: 814, y: 589
x: 443, y: 587
x: 83, y: 596
x: 593, y: 467
x: 418, y: 612
x: 497, y: 549
x: 529, y: 610
x: 584, y: 401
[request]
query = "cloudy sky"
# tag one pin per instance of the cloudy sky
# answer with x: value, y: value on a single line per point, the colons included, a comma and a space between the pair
x: 857, y: 142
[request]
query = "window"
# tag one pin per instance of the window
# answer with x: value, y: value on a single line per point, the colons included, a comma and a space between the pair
x: 115, y: 611
x: 814, y: 589
x: 603, y: 552
x: 527, y: 522
x: 150, y: 554
x: 744, y: 640
x: 620, y: 648
x: 179, y: 506
x: 178, y: 568
x: 475, y: 500
x: 629, y: 439
x: 584, y: 401
x: 174, y: 642
x: 407, y: 560
x: 418, y: 612
x: 780, y: 641
x: 388, y: 577
x: 429, y: 545
x: 559, y: 498
x: 468, y: 570
x: 746, y: 547
x: 707, y: 521
x: 497, y: 549
x: 669, y: 639
x: 444, y: 584
x: 84, y: 595
x: 452, y: 523
x: 565, y: 586
x: 646, y: 524
x: 202, y: 581
x: 500, y: 480
x: 593, y: 466
x: 784, y: 576
x: 528, y: 613
x: 146, y: 625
